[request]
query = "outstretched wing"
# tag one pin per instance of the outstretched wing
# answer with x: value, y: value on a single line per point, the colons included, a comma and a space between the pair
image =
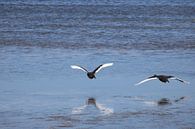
x: 78, y: 67
x: 103, y: 109
x: 178, y: 79
x: 102, y: 66
x: 148, y: 79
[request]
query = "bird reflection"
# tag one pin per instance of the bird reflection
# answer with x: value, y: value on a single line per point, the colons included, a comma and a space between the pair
x: 165, y: 101
x: 92, y: 102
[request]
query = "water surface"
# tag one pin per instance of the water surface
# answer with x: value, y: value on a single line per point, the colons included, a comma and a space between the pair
x: 40, y: 40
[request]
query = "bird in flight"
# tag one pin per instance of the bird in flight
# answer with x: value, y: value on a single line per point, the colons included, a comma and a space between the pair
x: 162, y: 78
x: 91, y: 75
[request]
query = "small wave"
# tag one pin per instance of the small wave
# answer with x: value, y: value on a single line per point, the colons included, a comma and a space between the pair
x: 150, y: 103
x: 78, y: 110
x: 188, y: 45
x: 136, y: 98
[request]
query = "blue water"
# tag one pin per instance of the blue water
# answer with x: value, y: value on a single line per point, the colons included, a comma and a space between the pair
x: 39, y: 40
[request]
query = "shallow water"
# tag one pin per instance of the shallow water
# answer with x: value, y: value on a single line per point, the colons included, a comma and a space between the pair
x: 40, y: 40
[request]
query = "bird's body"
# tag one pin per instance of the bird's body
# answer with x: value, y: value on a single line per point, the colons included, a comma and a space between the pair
x: 91, y: 75
x: 91, y: 101
x: 162, y: 78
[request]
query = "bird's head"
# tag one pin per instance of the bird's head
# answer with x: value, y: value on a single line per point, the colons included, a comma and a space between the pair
x: 153, y: 76
x: 91, y: 101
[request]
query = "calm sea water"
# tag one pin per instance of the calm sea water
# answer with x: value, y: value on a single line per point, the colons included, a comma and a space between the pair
x: 39, y: 40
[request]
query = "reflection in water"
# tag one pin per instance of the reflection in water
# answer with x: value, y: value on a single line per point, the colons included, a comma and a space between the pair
x: 78, y: 116
x: 181, y: 98
x: 165, y: 101
x: 150, y: 103
x: 162, y: 101
x: 98, y: 106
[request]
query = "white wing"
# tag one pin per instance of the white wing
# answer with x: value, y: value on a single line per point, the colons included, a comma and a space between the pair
x: 148, y: 79
x: 103, y: 109
x: 78, y: 110
x: 175, y: 78
x: 102, y: 66
x: 78, y: 67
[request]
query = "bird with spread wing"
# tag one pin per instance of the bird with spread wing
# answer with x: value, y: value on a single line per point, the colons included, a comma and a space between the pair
x: 162, y: 78
x: 91, y: 75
